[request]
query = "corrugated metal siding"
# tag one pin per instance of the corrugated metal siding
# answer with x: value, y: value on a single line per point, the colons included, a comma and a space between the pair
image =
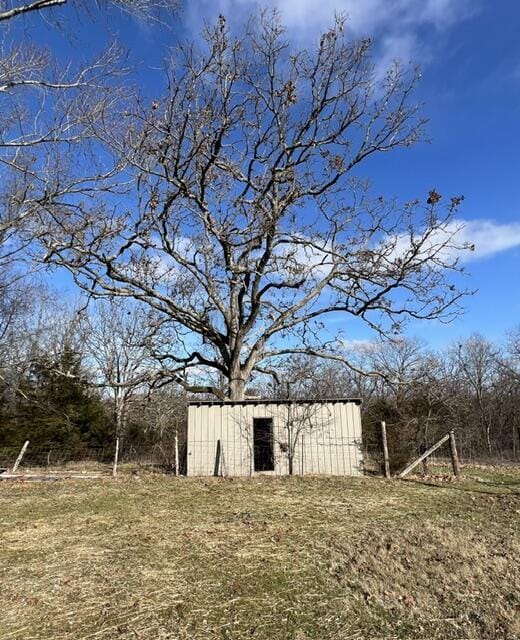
x: 326, y: 437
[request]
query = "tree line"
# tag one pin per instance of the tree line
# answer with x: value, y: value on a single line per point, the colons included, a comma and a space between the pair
x: 81, y: 376
x: 472, y: 386
x: 77, y: 377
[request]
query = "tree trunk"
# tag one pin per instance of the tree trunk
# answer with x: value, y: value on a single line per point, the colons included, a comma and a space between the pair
x: 119, y: 414
x: 488, y: 438
x: 237, y: 387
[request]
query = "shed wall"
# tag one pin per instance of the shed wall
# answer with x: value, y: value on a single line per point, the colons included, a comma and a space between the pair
x: 324, y: 438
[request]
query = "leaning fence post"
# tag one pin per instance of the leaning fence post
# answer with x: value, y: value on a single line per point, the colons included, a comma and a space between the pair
x: 20, y: 456
x: 386, y: 460
x: 116, y: 458
x: 454, y: 454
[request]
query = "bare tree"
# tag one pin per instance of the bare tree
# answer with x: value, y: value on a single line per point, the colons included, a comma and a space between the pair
x: 294, y: 382
x: 512, y: 359
x: 147, y: 9
x: 119, y: 339
x: 410, y: 374
x: 244, y: 222
x: 16, y: 306
x: 306, y: 383
x: 46, y: 105
x: 508, y: 389
x: 166, y: 417
x: 37, y: 333
x: 300, y: 420
x: 43, y: 107
x: 476, y: 358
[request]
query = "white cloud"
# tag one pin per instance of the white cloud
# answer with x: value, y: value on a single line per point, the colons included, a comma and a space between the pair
x: 444, y: 13
x: 488, y: 238
x: 404, y: 47
x: 395, y: 23
x: 358, y: 344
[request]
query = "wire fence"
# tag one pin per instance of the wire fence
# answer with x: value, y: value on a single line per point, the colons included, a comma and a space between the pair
x: 211, y: 457
x: 56, y: 460
x: 222, y: 457
x: 402, y: 453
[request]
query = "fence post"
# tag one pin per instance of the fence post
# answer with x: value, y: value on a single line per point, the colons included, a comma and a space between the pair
x: 386, y: 460
x: 176, y: 452
x: 426, y: 470
x: 454, y: 454
x: 116, y: 458
x: 218, y: 467
x: 20, y: 456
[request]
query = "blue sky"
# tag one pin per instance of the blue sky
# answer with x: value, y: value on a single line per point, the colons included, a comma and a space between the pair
x: 469, y: 53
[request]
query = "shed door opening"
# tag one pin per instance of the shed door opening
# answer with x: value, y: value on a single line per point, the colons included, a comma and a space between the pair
x: 263, y: 444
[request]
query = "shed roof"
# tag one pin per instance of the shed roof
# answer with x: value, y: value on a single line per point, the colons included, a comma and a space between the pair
x: 273, y: 401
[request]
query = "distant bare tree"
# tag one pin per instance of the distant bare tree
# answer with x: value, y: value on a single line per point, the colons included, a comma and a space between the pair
x: 34, y: 327
x: 298, y: 381
x: 508, y: 389
x: 165, y: 416
x: 244, y: 223
x: 118, y: 339
x: 476, y: 358
x: 16, y: 304
x: 513, y: 353
x: 411, y: 375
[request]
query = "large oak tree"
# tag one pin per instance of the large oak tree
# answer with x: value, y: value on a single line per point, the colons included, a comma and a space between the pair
x: 243, y: 217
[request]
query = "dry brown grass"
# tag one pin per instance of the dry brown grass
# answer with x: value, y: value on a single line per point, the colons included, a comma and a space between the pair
x: 285, y: 558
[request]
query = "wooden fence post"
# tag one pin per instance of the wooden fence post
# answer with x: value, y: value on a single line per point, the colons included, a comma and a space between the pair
x: 386, y: 460
x: 218, y: 464
x: 116, y: 459
x: 177, y: 472
x: 20, y: 456
x: 454, y: 455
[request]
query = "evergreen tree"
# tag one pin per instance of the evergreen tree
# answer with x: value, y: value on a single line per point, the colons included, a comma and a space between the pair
x: 55, y: 406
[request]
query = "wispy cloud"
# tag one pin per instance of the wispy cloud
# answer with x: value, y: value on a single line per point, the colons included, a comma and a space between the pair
x: 357, y: 344
x: 400, y: 26
x: 486, y: 237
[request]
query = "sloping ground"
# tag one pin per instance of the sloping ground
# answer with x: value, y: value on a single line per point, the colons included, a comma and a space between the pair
x: 293, y: 558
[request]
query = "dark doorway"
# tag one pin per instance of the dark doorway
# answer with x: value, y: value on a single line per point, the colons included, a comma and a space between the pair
x: 263, y: 444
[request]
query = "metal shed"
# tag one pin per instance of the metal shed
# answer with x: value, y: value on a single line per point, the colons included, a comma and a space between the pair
x: 279, y: 437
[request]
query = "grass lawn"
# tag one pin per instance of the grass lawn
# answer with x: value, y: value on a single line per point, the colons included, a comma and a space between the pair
x: 263, y: 558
